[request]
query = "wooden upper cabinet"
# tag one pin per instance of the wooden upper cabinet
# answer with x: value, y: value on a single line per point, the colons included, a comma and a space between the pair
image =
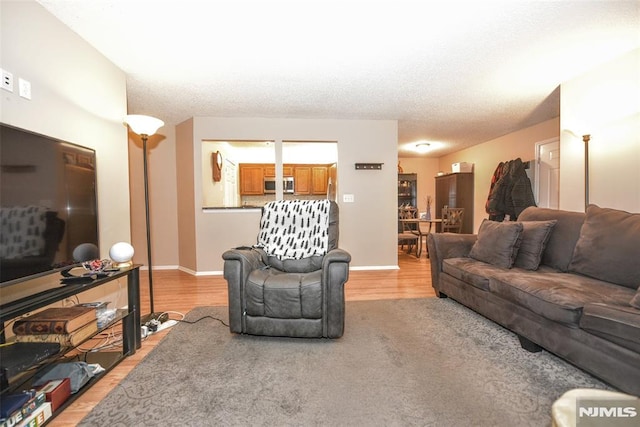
x: 270, y: 170
x: 319, y: 179
x: 308, y: 179
x: 311, y: 179
x: 251, y: 179
x: 302, y: 179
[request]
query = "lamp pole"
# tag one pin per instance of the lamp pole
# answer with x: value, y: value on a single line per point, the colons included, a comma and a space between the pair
x: 146, y: 126
x: 586, y: 139
x: 147, y: 217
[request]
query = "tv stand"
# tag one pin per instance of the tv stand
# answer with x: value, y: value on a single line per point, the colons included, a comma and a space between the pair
x: 11, y: 381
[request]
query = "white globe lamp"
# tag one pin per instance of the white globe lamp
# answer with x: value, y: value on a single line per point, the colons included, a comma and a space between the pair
x: 121, y: 254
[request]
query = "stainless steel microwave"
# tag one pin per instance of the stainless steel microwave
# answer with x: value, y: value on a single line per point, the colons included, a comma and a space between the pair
x: 270, y: 185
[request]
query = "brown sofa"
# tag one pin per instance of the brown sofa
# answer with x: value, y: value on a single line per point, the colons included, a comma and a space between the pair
x: 563, y: 281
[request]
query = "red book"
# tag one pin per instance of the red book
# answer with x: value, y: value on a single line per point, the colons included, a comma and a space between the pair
x: 55, y: 320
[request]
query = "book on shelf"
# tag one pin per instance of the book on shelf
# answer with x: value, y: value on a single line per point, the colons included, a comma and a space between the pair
x: 54, y: 320
x: 65, y: 340
x: 20, y: 408
x: 38, y: 417
x: 56, y: 392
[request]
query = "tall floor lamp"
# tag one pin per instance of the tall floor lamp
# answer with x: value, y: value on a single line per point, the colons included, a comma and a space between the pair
x: 586, y: 139
x: 146, y: 126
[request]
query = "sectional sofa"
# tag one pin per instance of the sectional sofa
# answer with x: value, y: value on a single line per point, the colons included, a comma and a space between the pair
x: 563, y: 281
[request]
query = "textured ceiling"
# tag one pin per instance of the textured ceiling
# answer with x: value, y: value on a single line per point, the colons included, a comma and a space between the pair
x: 456, y: 73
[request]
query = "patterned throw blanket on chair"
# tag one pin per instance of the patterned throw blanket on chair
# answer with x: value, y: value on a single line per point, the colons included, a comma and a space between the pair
x: 295, y: 229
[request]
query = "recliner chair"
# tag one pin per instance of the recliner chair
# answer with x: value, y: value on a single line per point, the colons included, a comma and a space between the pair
x: 291, y: 283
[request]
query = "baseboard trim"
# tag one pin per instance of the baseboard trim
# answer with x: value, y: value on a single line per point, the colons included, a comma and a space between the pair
x: 220, y: 273
x: 374, y: 267
x: 160, y: 267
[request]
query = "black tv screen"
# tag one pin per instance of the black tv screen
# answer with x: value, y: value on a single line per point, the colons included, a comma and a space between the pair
x: 48, y: 204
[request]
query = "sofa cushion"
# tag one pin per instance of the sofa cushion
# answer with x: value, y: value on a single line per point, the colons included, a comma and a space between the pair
x: 635, y: 301
x: 609, y: 247
x: 613, y: 322
x: 535, y: 235
x: 559, y: 248
x: 284, y: 295
x: 470, y: 271
x: 556, y: 296
x: 497, y: 243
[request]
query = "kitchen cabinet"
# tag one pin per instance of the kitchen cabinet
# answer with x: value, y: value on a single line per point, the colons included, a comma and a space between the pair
x: 270, y: 170
x: 251, y: 179
x: 309, y: 179
x: 302, y: 179
x: 455, y: 190
x: 319, y: 179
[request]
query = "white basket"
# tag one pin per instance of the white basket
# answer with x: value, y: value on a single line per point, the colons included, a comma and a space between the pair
x: 461, y: 167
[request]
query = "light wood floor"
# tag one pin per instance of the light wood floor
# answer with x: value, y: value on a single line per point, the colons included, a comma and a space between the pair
x: 180, y: 292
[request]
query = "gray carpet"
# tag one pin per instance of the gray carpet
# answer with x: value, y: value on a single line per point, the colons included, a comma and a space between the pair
x: 423, y: 362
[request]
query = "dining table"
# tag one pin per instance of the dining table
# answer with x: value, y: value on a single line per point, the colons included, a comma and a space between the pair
x: 419, y: 231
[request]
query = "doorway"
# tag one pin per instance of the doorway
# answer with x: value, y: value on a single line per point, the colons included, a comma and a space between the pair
x: 547, y: 179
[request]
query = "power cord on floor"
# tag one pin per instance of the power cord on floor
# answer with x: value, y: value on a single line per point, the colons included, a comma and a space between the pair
x: 202, y: 318
x: 164, y: 322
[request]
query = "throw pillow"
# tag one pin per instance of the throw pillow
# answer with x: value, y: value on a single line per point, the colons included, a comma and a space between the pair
x: 635, y: 301
x: 535, y: 235
x: 609, y: 247
x: 498, y: 243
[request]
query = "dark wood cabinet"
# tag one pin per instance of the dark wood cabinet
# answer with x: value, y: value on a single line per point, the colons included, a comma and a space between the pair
x: 407, y: 193
x: 455, y: 190
x: 408, y: 189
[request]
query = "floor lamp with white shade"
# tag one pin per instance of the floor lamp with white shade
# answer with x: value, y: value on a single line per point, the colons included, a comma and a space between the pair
x: 146, y: 126
x: 586, y: 139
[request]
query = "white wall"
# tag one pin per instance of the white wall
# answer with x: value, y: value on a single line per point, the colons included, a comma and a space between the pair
x: 367, y: 227
x: 77, y: 96
x: 605, y: 103
x: 488, y: 155
x: 161, y: 149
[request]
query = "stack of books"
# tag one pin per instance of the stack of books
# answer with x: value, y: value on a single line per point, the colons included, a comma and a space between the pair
x: 68, y: 326
x: 26, y: 408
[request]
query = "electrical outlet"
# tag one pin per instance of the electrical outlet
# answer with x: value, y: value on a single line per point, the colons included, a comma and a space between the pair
x: 7, y: 80
x: 24, y: 88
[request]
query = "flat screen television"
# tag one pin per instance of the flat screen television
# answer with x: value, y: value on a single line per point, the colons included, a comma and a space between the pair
x: 48, y: 204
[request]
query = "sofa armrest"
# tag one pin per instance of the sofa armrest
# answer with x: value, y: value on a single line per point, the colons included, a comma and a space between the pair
x: 335, y: 273
x: 447, y: 245
x: 238, y: 264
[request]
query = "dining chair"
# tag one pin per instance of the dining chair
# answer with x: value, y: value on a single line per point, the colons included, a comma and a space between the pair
x: 408, y: 233
x: 452, y: 220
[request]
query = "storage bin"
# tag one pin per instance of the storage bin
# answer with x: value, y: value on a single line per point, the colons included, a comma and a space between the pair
x: 461, y: 167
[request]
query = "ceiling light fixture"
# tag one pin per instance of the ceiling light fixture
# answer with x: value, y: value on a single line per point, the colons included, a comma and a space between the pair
x: 423, y: 147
